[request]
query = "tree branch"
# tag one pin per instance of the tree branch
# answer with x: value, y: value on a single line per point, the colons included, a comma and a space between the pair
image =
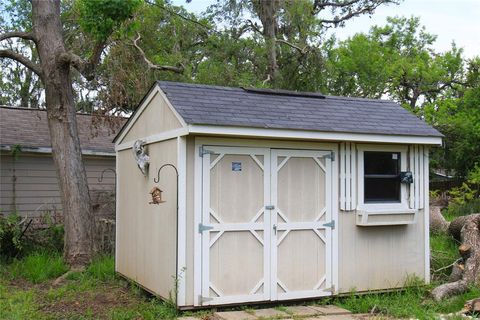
x: 301, y: 50
x: 178, y: 15
x: 336, y: 21
x: 150, y: 64
x: 18, y: 34
x: 10, y: 54
x: 85, y: 67
x: 319, y: 5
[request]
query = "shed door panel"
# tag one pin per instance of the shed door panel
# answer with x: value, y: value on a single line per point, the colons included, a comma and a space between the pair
x: 235, y: 240
x: 301, y: 244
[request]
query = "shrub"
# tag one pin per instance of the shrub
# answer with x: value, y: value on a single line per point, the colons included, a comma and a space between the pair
x: 10, y: 235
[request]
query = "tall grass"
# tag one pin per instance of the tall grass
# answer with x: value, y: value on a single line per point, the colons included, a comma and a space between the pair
x: 38, y: 267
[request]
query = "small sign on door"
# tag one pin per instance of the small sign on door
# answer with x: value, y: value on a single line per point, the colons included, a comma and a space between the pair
x: 236, y: 166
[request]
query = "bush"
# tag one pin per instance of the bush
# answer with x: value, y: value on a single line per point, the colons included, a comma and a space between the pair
x: 10, y: 236
x: 455, y: 210
x: 38, y: 267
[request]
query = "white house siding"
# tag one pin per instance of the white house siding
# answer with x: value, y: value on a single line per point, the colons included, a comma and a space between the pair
x: 28, y: 183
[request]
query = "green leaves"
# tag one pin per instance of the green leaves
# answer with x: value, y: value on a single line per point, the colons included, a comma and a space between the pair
x: 100, y: 18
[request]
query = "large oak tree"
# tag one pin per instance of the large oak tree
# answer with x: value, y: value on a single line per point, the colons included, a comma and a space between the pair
x: 54, y: 69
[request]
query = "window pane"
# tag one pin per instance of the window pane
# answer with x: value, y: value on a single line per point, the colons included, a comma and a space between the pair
x: 381, y: 162
x: 382, y: 189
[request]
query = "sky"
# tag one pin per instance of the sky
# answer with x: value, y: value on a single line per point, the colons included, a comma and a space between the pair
x: 450, y: 20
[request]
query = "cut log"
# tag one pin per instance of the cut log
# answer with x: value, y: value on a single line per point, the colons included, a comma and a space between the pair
x: 438, y: 224
x: 455, y: 227
x: 469, y: 227
x: 457, y: 272
x: 472, y: 305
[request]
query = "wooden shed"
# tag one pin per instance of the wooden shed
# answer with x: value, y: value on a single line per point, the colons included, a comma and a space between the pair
x: 279, y: 195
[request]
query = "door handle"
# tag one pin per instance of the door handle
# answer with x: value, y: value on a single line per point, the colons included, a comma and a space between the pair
x: 275, y: 229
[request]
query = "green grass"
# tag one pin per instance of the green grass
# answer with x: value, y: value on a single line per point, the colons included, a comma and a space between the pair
x: 20, y: 301
x: 17, y: 304
x: 38, y: 267
x: 444, y: 251
x: 411, y: 302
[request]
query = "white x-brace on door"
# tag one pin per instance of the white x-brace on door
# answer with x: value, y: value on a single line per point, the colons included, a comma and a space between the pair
x: 266, y: 232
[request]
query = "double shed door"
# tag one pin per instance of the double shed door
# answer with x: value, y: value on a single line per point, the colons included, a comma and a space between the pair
x: 266, y: 231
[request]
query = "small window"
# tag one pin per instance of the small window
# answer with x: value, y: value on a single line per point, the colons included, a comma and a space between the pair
x: 381, y: 176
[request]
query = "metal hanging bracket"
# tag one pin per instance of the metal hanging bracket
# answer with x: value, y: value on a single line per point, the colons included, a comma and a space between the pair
x: 203, y: 151
x: 330, y: 224
x: 203, y: 299
x: 202, y: 227
x: 330, y: 156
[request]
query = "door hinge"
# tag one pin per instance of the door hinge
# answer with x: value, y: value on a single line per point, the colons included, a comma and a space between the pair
x: 330, y: 156
x: 203, y: 299
x: 202, y: 227
x: 270, y: 207
x: 330, y: 224
x: 203, y: 151
x: 331, y: 289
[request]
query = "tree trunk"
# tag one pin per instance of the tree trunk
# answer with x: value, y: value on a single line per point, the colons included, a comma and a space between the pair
x: 469, y: 227
x: 266, y: 11
x: 61, y: 113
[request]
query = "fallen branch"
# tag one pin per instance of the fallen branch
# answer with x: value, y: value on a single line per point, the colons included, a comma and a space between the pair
x: 466, y: 274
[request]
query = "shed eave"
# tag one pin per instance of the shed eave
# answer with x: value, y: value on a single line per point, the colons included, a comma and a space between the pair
x: 311, y: 135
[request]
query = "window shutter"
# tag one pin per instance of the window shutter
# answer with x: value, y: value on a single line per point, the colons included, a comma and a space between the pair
x: 418, y: 165
x: 348, y: 176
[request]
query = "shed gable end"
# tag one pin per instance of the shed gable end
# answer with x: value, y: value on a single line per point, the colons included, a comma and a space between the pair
x: 154, y: 116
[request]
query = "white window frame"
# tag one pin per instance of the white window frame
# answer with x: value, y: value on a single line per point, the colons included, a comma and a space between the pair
x: 382, y: 207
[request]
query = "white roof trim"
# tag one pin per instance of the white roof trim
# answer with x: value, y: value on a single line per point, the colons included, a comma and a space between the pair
x: 46, y: 150
x: 155, y: 90
x: 167, y: 135
x: 311, y: 135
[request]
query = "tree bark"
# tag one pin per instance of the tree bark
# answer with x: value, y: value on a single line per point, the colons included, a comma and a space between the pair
x: 61, y: 113
x: 438, y: 224
x: 266, y: 11
x: 469, y: 227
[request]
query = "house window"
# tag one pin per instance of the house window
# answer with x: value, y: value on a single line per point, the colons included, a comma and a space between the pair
x: 382, y: 177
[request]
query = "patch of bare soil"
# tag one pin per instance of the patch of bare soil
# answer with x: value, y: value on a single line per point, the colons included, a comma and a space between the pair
x: 97, y: 303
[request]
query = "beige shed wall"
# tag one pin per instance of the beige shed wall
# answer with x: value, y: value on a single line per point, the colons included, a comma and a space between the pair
x: 146, y: 233
x: 29, y: 185
x: 379, y: 257
x: 157, y: 117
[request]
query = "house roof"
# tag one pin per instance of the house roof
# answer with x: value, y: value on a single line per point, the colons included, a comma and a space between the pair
x: 29, y: 129
x: 281, y: 109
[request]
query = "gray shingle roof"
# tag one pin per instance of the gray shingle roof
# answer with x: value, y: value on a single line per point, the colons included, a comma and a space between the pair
x: 29, y: 129
x: 227, y: 106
